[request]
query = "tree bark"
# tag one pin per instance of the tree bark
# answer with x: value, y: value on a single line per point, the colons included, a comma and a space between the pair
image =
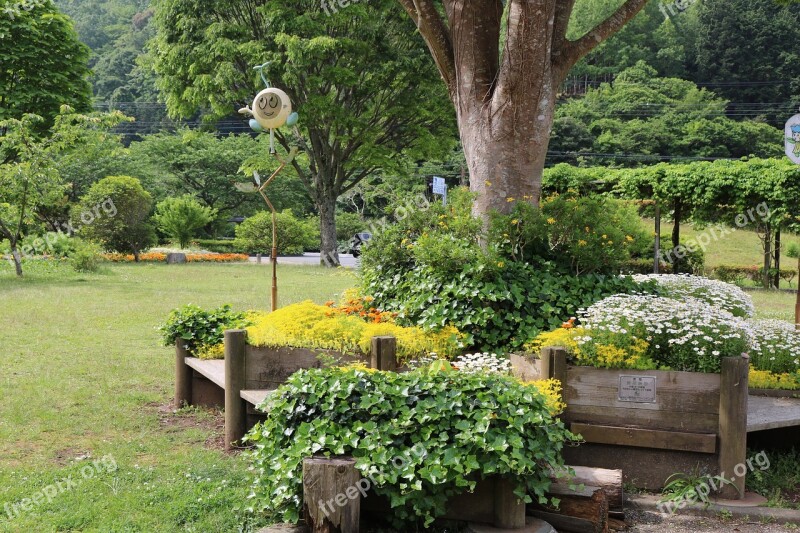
x: 329, y: 252
x: 777, y: 259
x: 17, y: 259
x: 767, y: 255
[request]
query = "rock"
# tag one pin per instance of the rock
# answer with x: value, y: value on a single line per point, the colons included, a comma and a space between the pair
x: 175, y: 258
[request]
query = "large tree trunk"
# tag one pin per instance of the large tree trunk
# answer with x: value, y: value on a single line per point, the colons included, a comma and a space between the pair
x: 505, y: 98
x: 17, y: 259
x: 505, y: 169
x: 329, y: 253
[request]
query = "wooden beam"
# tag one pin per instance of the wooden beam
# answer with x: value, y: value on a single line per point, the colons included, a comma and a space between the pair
x: 646, y: 438
x: 235, y: 406
x: 733, y: 424
x: 609, y: 480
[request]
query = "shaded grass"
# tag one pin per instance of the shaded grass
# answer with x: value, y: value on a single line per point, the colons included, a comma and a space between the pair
x: 82, y: 373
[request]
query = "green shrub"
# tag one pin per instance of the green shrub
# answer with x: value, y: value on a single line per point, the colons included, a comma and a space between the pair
x: 181, y: 218
x: 685, y: 260
x: 219, y: 246
x: 581, y: 234
x: 430, y: 268
x: 643, y: 266
x: 86, y: 256
x: 116, y: 213
x: 254, y: 235
x: 418, y: 437
x: 200, y: 328
x: 737, y: 274
x: 347, y: 225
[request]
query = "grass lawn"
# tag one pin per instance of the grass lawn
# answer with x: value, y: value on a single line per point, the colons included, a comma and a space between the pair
x: 740, y: 247
x: 83, y: 377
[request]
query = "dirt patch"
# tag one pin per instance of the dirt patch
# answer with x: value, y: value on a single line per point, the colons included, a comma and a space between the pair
x: 70, y: 455
x: 210, y: 420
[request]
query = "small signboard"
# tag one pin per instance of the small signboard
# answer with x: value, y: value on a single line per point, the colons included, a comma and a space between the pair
x: 639, y: 389
x: 439, y: 185
x: 792, y: 139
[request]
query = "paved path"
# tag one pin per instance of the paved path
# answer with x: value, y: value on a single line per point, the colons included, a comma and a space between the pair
x: 347, y: 260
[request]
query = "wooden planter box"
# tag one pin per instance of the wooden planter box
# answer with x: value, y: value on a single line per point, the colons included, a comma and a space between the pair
x: 248, y: 374
x: 651, y: 424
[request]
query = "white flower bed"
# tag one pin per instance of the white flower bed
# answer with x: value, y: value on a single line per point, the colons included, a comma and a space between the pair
x: 716, y: 293
x: 482, y: 362
x: 688, y: 335
x: 775, y: 346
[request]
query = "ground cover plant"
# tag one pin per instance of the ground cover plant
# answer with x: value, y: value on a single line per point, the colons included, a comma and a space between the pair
x: 448, y: 429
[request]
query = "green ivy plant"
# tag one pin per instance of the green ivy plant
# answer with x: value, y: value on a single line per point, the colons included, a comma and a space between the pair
x: 200, y: 327
x: 418, y: 437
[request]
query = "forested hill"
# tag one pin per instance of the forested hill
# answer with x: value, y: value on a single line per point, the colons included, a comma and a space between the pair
x: 756, y: 71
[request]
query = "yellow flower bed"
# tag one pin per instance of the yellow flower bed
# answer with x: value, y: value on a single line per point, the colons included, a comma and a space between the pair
x: 763, y: 379
x: 308, y: 325
x: 604, y: 350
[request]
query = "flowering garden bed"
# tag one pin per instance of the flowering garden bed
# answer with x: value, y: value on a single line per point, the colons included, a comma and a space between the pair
x: 160, y: 257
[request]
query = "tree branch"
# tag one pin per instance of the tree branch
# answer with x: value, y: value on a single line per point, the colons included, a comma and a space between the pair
x: 436, y: 35
x: 573, y: 51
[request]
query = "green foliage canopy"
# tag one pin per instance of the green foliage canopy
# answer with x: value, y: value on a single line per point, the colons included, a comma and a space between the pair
x: 43, y: 65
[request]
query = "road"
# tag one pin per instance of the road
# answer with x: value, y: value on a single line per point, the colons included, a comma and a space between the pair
x: 347, y: 260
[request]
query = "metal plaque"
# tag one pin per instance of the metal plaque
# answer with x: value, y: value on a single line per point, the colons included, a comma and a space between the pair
x: 640, y: 389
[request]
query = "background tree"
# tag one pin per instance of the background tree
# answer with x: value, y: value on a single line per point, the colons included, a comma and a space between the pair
x: 30, y: 181
x: 254, y: 235
x: 503, y: 64
x: 366, y: 91
x: 128, y: 229
x: 43, y: 65
x: 746, y: 48
x: 206, y: 166
x: 642, y: 114
x: 181, y: 218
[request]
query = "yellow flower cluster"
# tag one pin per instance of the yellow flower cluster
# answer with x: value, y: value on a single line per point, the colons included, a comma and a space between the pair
x: 612, y: 356
x: 216, y: 351
x: 604, y: 351
x: 308, y: 325
x: 551, y: 390
x: 559, y: 337
x: 764, y: 379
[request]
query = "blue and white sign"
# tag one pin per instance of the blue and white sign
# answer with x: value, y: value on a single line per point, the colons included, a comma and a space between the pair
x: 792, y: 139
x: 439, y: 185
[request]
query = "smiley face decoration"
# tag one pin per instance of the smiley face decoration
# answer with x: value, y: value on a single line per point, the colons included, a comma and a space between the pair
x: 271, y: 108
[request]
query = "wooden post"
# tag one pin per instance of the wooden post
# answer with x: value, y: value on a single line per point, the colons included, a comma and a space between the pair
x: 235, y: 407
x: 509, y: 510
x: 733, y: 425
x: 383, y: 355
x: 332, y: 491
x: 547, y: 363
x: 183, y: 376
x: 560, y: 366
